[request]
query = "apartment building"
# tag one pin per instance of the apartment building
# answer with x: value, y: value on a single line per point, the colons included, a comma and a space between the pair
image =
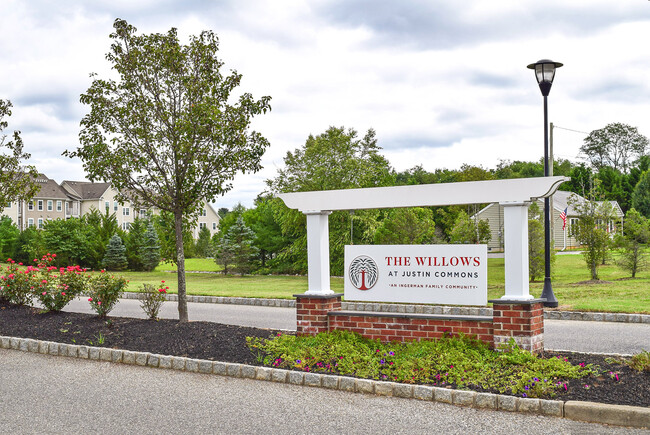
x: 76, y: 198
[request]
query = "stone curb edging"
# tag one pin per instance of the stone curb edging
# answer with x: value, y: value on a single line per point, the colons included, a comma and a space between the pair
x: 582, y: 411
x: 410, y: 309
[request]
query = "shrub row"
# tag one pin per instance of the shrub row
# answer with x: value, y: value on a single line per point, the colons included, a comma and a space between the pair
x: 54, y: 287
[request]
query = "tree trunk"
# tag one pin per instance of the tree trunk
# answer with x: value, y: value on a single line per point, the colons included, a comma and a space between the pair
x: 180, y: 261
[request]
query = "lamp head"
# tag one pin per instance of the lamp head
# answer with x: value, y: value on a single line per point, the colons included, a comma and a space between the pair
x: 545, y: 73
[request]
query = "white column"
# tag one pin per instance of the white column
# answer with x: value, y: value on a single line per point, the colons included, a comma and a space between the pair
x: 318, y: 253
x: 515, y: 216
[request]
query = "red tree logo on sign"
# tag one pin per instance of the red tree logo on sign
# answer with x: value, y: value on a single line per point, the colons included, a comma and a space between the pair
x: 363, y: 272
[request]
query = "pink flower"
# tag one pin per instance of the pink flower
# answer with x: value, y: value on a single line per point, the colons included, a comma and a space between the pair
x: 90, y: 299
x: 163, y: 281
x: 20, y: 264
x: 99, y: 302
x: 53, y: 255
x: 44, y: 293
x: 62, y: 293
x: 44, y: 281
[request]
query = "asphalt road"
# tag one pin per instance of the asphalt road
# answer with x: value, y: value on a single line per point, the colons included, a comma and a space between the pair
x: 596, y: 337
x: 44, y: 394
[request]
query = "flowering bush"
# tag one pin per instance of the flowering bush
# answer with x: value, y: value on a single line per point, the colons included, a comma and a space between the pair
x: 152, y: 298
x: 16, y: 284
x: 56, y: 287
x: 104, y: 292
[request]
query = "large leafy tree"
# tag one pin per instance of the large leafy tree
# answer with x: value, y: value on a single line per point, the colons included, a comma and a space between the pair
x: 17, y: 181
x: 468, y: 230
x: 617, y: 145
x: 591, y: 229
x: 268, y: 233
x: 167, y: 133
x: 335, y: 159
x: 407, y: 226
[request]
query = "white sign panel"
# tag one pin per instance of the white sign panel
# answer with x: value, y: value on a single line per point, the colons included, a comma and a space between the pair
x: 434, y: 274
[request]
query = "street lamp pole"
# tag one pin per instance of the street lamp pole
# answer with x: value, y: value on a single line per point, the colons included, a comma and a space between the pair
x: 545, y: 73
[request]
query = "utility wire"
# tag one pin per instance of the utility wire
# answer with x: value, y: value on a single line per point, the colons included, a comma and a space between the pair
x: 569, y: 129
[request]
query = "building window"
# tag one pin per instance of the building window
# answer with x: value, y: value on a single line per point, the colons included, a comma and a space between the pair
x: 114, y: 205
x: 30, y: 222
x: 40, y: 223
x: 107, y: 204
x: 143, y: 213
x: 30, y: 205
x: 202, y: 225
x: 204, y: 212
x: 50, y: 205
x: 40, y: 205
x: 125, y: 211
x: 9, y: 205
x: 214, y: 226
x: 59, y: 206
x: 126, y: 226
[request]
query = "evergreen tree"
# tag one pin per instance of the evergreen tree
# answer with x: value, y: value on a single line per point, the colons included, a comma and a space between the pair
x: 633, y: 243
x: 134, y: 242
x: 149, y: 252
x: 203, y: 243
x: 225, y: 253
x: 241, y: 238
x: 115, y: 258
x: 641, y: 195
x: 8, y: 238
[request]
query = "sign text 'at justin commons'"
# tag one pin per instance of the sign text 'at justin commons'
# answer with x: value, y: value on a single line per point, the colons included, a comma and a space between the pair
x: 435, y: 274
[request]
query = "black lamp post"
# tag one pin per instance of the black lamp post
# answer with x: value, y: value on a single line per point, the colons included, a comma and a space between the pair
x: 545, y: 72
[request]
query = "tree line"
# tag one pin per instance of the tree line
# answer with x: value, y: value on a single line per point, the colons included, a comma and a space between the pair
x: 271, y: 238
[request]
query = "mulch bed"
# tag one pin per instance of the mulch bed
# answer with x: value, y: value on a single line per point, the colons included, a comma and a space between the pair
x: 219, y: 342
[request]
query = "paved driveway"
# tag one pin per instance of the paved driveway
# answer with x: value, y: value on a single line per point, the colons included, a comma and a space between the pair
x: 45, y: 394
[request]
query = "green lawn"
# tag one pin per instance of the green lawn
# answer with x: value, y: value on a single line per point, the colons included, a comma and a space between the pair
x: 616, y: 292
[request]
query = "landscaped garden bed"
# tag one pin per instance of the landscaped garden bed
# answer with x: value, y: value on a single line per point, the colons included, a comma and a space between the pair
x: 606, y: 380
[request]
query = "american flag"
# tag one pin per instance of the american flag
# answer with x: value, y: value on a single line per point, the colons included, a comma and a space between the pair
x: 563, y: 217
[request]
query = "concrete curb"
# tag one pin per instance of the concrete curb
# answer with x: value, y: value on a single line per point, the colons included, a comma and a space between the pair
x: 630, y: 416
x: 411, y: 309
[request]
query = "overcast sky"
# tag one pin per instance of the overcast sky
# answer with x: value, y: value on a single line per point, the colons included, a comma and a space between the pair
x: 442, y: 82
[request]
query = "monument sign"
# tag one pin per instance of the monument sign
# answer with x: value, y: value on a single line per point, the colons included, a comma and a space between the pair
x: 432, y: 274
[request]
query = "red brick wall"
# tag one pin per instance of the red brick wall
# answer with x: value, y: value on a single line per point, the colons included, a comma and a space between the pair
x: 521, y: 321
x: 406, y: 328
x: 311, y: 312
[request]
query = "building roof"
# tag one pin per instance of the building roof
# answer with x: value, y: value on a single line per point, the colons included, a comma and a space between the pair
x: 49, y: 188
x: 561, y: 202
x: 86, y: 189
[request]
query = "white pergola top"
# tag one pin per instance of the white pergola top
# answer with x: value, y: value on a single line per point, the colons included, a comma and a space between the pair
x: 424, y: 195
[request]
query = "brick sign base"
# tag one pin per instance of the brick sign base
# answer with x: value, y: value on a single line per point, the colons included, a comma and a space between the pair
x: 522, y: 321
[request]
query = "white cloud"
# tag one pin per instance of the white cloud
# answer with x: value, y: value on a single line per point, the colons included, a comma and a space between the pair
x: 442, y: 84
